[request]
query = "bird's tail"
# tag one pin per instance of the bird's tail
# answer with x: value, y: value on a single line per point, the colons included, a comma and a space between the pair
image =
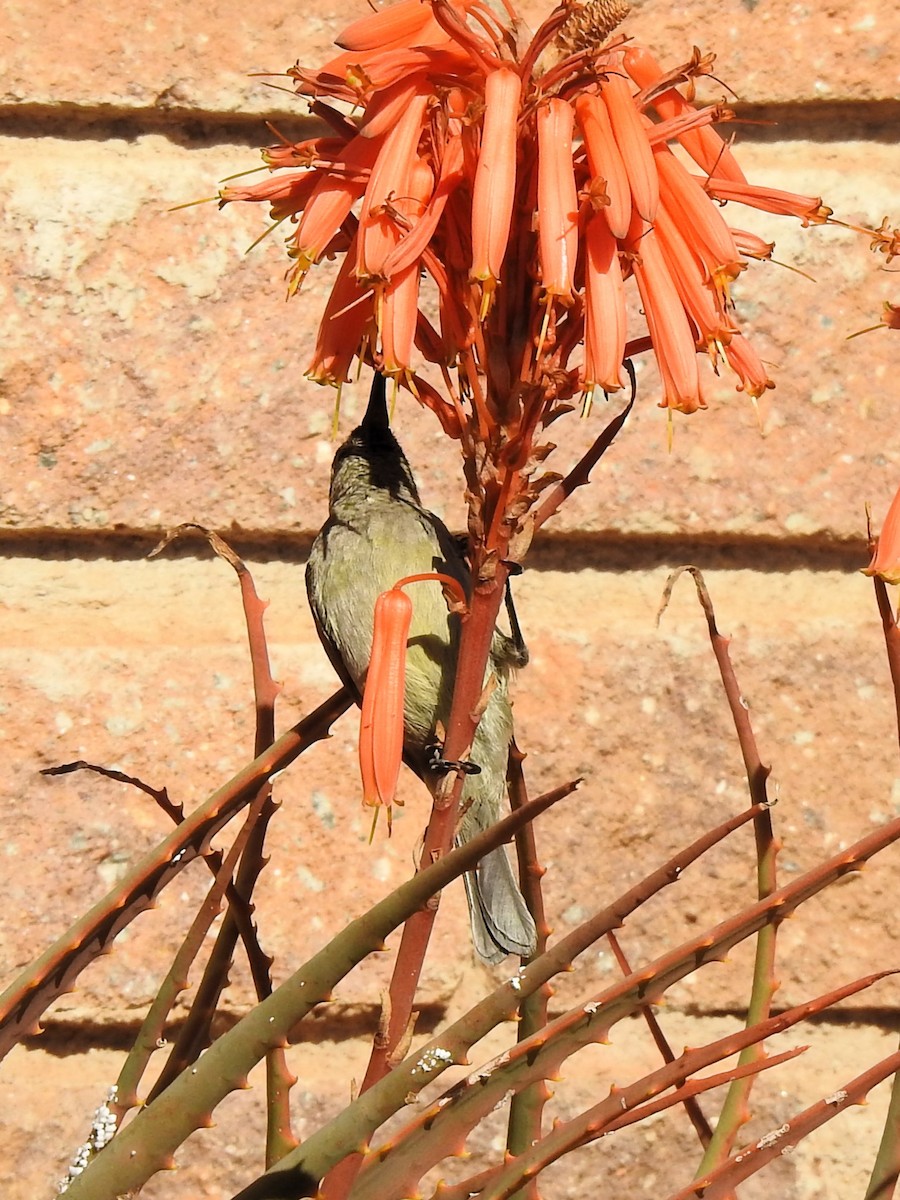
x: 501, y: 922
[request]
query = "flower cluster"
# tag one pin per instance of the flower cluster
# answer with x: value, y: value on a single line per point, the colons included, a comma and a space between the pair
x: 492, y: 199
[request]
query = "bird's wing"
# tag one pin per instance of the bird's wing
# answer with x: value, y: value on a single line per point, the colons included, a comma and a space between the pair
x: 336, y: 661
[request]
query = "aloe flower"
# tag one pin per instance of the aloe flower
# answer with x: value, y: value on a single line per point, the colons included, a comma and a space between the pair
x: 381, y: 719
x: 496, y: 201
x: 495, y: 175
x: 381, y: 722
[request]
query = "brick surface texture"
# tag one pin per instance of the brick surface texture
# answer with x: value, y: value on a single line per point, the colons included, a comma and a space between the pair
x: 152, y: 373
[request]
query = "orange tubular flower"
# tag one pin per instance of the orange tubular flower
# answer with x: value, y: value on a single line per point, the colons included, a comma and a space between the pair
x: 557, y: 198
x: 631, y: 139
x: 414, y: 243
x: 329, y: 205
x: 605, y: 161
x: 356, y: 78
x: 709, y: 233
x: 346, y: 322
x: 885, y: 562
x: 286, y: 193
x: 311, y: 153
x: 399, y: 312
x: 495, y: 176
x: 748, y: 367
x: 751, y: 244
x: 379, y: 231
x: 407, y: 21
x: 400, y: 307
x: 701, y: 299
x: 385, y: 113
x: 673, y: 340
x: 381, y: 724
x: 690, y: 121
x: 704, y: 145
x: 809, y: 209
x: 605, y: 321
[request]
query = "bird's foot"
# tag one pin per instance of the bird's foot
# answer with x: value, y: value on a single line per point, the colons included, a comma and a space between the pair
x: 442, y: 766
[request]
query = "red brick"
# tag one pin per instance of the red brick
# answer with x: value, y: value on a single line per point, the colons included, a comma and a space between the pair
x: 199, y: 56
x: 153, y: 373
x: 141, y: 666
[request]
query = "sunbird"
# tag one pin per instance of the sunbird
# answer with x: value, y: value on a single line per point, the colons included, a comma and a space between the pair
x: 377, y: 533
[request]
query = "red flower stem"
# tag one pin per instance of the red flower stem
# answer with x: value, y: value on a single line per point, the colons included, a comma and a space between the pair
x: 542, y: 38
x: 479, y: 50
x: 887, y: 1163
x: 196, y: 1032
x: 475, y: 644
x: 530, y: 870
x: 757, y: 773
x: 280, y: 1137
x: 479, y: 405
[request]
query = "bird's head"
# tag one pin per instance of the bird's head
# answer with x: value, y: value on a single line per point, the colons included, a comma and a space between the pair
x: 370, y: 465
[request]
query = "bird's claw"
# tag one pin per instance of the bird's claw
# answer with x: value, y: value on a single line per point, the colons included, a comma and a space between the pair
x: 441, y: 765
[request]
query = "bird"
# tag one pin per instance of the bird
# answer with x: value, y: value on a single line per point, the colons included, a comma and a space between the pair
x: 378, y: 532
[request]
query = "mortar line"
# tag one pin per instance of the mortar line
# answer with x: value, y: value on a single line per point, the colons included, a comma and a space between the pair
x: 806, y: 120
x: 552, y: 551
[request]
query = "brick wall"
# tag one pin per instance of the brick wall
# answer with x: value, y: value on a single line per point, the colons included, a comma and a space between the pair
x: 151, y: 373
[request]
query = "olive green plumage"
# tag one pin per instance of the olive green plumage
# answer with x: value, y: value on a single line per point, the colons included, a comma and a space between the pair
x: 377, y: 532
